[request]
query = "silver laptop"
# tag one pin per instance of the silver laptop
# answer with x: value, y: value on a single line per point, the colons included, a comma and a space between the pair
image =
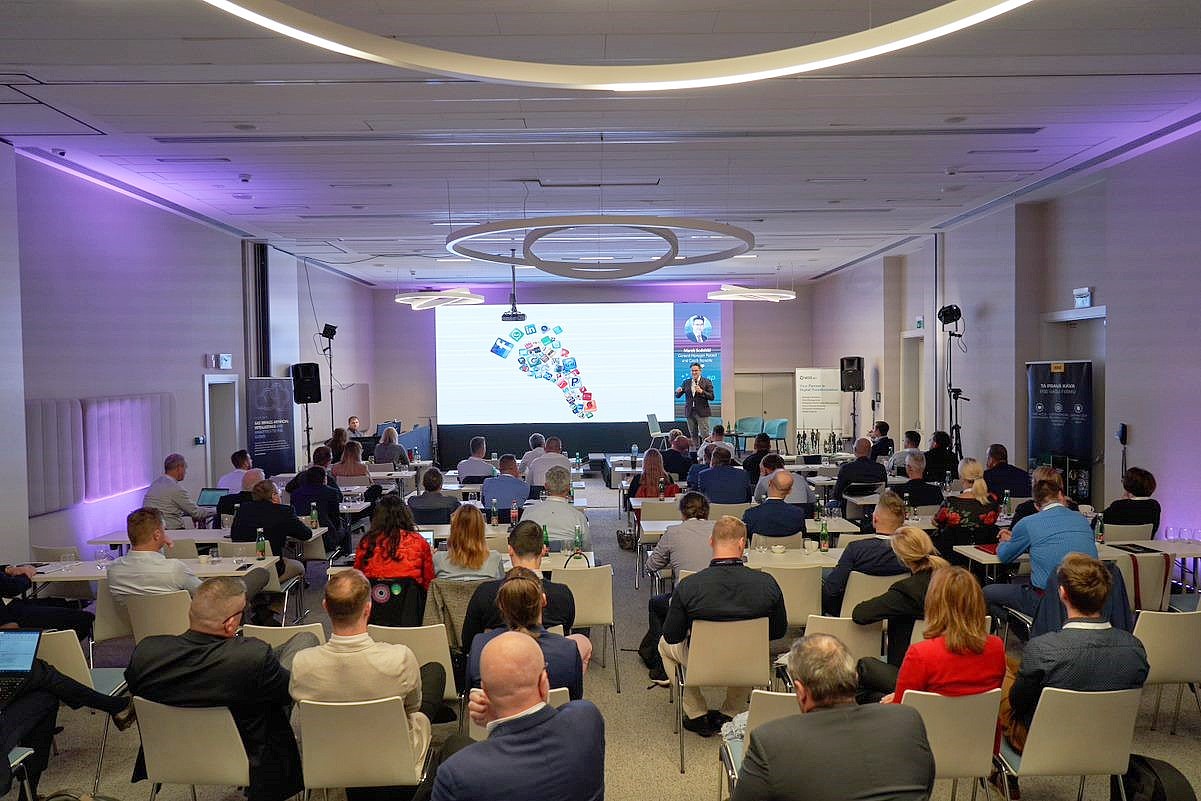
x: 18, y: 649
x: 210, y: 495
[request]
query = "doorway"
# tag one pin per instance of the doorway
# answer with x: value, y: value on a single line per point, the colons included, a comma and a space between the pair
x: 222, y: 425
x: 766, y: 395
x: 913, y: 388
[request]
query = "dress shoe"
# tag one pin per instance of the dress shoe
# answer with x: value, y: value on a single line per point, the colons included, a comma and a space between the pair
x: 717, y: 718
x: 699, y: 725
x: 659, y: 676
x: 125, y: 718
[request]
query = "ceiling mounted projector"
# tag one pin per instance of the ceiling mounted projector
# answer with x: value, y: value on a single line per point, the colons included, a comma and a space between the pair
x: 513, y: 315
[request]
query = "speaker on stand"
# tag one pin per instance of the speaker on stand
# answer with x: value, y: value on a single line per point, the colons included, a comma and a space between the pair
x: 306, y: 389
x: 850, y: 369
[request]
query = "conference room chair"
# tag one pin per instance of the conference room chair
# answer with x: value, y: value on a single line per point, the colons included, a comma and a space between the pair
x: 355, y: 481
x: 653, y: 509
x: 683, y: 574
x: 961, y: 731
x: 765, y: 707
x: 67, y: 590
x: 327, y: 728
x: 717, y: 510
x: 792, y: 542
x: 275, y: 636
x: 471, y: 481
x: 592, y: 589
x: 862, y: 587
x: 1118, y: 533
x: 777, y: 429
x: 827, y: 471
x: 431, y: 517
x: 158, y: 613
x: 111, y: 623
x: 1173, y: 644
x: 745, y: 428
x: 1053, y: 746
x: 313, y: 550
x: 802, y: 588
x: 428, y: 644
x: 173, y: 737
x: 657, y: 433
x: 722, y: 654
x: 1147, y: 577
x: 846, y: 539
x: 557, y: 697
x: 181, y: 549
x: 861, y: 641
x: 246, y: 550
x: 918, y: 633
x: 61, y: 650
x: 16, y: 767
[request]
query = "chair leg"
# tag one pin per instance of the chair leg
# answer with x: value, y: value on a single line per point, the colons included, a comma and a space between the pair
x: 680, y: 712
x: 975, y: 787
x: 604, y: 645
x: 1176, y: 716
x: 1196, y: 697
x: 954, y: 788
x: 100, y: 759
x: 1155, y: 714
x: 616, y: 667
x: 154, y: 788
x: 1121, y: 789
x: 193, y: 791
x: 1080, y: 794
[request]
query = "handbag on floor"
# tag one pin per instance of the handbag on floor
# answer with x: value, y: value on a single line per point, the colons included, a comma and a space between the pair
x: 1149, y: 779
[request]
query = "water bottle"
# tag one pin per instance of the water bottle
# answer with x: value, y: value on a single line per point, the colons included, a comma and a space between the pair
x: 1007, y: 504
x: 634, y: 455
x: 946, y: 481
x: 416, y: 455
x: 577, y: 542
x: 260, y: 544
x: 662, y: 487
x: 492, y: 518
x: 1100, y: 530
x: 823, y: 539
x: 909, y: 515
x: 545, y: 538
x: 314, y: 518
x: 514, y: 513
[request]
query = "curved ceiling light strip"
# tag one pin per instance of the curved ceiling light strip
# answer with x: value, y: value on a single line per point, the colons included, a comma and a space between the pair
x: 625, y: 269
x: 733, y: 292
x: 423, y: 299
x: 922, y: 27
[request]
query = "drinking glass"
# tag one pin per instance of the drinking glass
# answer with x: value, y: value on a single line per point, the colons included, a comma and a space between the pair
x: 1186, y: 534
x: 1169, y: 533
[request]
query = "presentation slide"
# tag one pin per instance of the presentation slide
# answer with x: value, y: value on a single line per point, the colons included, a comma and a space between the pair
x: 567, y: 363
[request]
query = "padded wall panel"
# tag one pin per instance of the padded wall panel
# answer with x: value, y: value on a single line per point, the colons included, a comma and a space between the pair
x: 125, y: 440
x: 54, y: 456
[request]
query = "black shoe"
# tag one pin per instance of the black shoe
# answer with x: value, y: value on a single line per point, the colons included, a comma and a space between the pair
x: 659, y: 676
x: 699, y: 725
x: 717, y: 718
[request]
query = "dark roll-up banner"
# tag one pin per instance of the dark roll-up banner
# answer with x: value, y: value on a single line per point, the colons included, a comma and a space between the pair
x: 1060, y: 401
x: 270, y: 424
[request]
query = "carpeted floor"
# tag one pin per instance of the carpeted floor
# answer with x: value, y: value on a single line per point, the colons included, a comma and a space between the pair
x: 641, y: 758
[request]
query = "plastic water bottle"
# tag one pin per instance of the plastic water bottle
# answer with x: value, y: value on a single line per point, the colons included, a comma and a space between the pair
x: 1100, y: 530
x: 260, y: 544
x: 514, y: 512
x: 1007, y: 504
x: 577, y: 542
x: 946, y: 481
x: 634, y: 455
x: 662, y: 487
x: 314, y: 518
x: 492, y: 518
x: 909, y: 515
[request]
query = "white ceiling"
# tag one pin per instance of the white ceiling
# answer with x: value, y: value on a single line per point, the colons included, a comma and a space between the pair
x: 362, y: 167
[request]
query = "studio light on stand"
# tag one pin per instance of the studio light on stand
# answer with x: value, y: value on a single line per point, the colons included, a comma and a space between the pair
x: 952, y: 315
x: 328, y: 332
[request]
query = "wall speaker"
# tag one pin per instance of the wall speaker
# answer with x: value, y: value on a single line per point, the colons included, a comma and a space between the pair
x: 306, y: 383
x: 851, y: 373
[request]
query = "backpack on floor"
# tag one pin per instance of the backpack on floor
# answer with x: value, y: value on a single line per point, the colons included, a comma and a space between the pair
x: 1149, y: 779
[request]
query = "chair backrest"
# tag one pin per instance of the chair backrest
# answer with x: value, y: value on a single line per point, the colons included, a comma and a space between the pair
x: 961, y: 730
x: 1119, y: 533
x: 749, y: 425
x: 498, y: 543
x: 792, y: 541
x: 592, y: 589
x: 354, y: 481
x: 861, y: 488
x: 173, y: 737
x: 652, y: 423
x: 802, y: 588
x: 919, y: 630
x: 846, y: 539
x: 243, y: 549
x: 1146, y: 576
x: 1171, y: 640
x: 768, y: 706
x: 428, y: 644
x: 158, y: 613
x: 61, y: 650
x: 182, y: 549
x: 1018, y: 501
x: 1053, y: 746
x: 557, y: 697
x: 683, y: 574
x: 861, y: 641
x: 327, y: 728
x: 777, y: 428
x: 112, y: 620
x: 729, y: 654
x: 655, y: 509
x: 54, y: 553
x: 716, y: 510
x: 828, y: 470
x: 862, y: 587
x: 276, y: 636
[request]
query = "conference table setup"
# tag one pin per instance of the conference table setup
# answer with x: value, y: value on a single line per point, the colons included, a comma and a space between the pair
x: 95, y: 569
x: 119, y: 540
x: 1177, y: 549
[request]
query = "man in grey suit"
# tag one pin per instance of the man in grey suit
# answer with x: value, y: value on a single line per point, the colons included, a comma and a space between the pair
x: 696, y: 391
x: 804, y: 756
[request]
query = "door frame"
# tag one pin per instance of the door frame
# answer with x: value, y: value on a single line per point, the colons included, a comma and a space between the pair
x: 209, y: 381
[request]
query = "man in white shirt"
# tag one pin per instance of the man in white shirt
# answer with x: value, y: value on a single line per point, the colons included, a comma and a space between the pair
x: 168, y: 496
x: 557, y: 513
x: 232, y: 480
x: 537, y: 448
x: 475, y: 465
x: 716, y: 440
x: 896, y: 462
x: 536, y: 475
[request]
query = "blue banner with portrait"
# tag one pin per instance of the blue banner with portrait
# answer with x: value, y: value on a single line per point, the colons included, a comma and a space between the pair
x: 698, y: 339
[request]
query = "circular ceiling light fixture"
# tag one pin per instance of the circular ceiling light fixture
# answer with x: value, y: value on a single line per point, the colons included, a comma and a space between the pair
x: 724, y: 242
x: 733, y: 292
x: 423, y: 299
x: 922, y: 27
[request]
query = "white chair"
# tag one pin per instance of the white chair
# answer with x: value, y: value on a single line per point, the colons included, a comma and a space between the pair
x: 111, y: 623
x: 159, y: 613
x: 846, y: 539
x: 961, y: 731
x: 182, y: 549
x: 1119, y: 533
x: 428, y: 644
x: 861, y: 641
x: 62, y: 651
x: 653, y: 509
x: 592, y: 589
x: 276, y: 636
x: 765, y: 707
x: 498, y: 544
x: 683, y: 574
x: 657, y: 433
x: 16, y: 767
x: 1147, y: 577
x: 326, y: 729
x: 1053, y: 743
x: 195, y: 745
x: 862, y: 587
x: 248, y: 550
x: 792, y: 542
x: 719, y: 510
x: 802, y: 588
x: 557, y: 697
x: 1173, y: 644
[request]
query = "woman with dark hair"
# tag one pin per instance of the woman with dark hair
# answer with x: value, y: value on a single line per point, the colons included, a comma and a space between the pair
x: 392, y: 549
x: 1136, y: 507
x: 337, y: 443
x: 520, y: 601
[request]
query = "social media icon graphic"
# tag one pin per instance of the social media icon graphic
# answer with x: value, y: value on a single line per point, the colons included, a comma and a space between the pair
x: 547, y: 340
x: 529, y: 329
x: 562, y: 385
x: 575, y: 372
x: 575, y: 382
x: 585, y: 394
x: 521, y: 360
x: 569, y: 364
x: 588, y: 415
x: 525, y: 368
x: 545, y: 328
x: 556, y: 344
x: 558, y: 329
x: 516, y: 334
x: 548, y: 376
x: 502, y: 347
x: 564, y: 352
x: 590, y: 406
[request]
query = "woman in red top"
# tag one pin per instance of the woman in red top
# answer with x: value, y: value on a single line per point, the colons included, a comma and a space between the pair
x: 646, y: 483
x: 958, y: 656
x: 393, y: 549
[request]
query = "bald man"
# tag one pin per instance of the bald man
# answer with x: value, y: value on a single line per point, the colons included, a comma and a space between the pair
x: 525, y: 736
x: 863, y: 470
x: 775, y: 517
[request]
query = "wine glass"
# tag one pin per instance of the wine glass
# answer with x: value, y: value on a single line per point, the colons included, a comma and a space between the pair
x: 102, y: 557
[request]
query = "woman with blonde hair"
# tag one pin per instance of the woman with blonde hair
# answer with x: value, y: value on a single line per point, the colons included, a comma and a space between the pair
x: 969, y: 518
x: 389, y: 451
x: 351, y: 463
x: 467, y: 557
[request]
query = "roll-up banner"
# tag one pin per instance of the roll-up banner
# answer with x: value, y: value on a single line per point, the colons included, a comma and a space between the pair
x: 1060, y: 409
x: 270, y: 424
x: 818, y: 400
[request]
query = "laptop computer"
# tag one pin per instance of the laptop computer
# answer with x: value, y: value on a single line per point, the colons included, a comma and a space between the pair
x: 210, y: 495
x: 18, y: 649
x: 428, y: 536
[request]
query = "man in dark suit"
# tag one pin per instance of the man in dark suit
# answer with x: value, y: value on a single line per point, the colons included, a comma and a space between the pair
x: 278, y: 523
x: 881, y: 443
x: 723, y: 482
x: 208, y: 666
x: 920, y: 491
x: 677, y: 460
x: 804, y: 756
x: 1001, y: 476
x: 696, y: 391
x: 940, y: 459
x: 227, y: 504
x: 863, y: 470
x: 873, y: 556
x: 750, y: 464
x: 525, y: 736
x: 315, y: 490
x: 774, y: 517
x: 322, y: 457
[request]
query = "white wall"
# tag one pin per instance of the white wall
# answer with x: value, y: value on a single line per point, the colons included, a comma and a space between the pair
x: 14, y: 500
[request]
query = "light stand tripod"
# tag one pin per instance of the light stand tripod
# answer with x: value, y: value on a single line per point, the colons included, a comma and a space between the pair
x: 954, y: 395
x: 328, y: 333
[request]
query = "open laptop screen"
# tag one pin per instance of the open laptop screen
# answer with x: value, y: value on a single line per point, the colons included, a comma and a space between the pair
x: 210, y: 495
x: 18, y: 648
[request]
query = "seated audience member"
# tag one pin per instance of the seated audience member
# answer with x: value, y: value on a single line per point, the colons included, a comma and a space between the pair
x: 678, y: 460
x: 1048, y: 536
x: 920, y: 491
x: 520, y: 601
x: 475, y: 468
x: 537, y: 448
x: 900, y: 605
x: 714, y: 442
x: 726, y: 590
x: 467, y: 557
x: 167, y: 495
x: 337, y: 444
x: 940, y: 459
x: 896, y: 462
x: 1087, y: 655
x: 328, y: 498
x: 969, y: 518
x: 874, y: 556
x: 802, y: 491
x: 278, y: 523
x: 646, y: 483
x: 322, y: 457
x: 209, y: 665
x: 862, y: 470
x: 882, y: 445
x: 353, y: 667
x: 1136, y: 507
x: 228, y: 504
x: 805, y: 757
x: 723, y: 482
x: 554, y: 457
x: 775, y: 517
x: 501, y: 490
x: 557, y: 513
x: 533, y: 750
x: 392, y: 549
x: 760, y: 448
x: 232, y: 480
x: 525, y: 550
x: 30, y: 613
x: 1001, y: 476
x: 389, y: 451
x: 432, y: 507
x: 1042, y: 473
x: 351, y: 464
x: 352, y: 427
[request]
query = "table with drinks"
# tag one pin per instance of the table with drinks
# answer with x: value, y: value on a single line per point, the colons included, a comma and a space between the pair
x: 95, y: 569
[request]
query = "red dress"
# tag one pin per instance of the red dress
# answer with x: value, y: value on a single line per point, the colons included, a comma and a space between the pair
x: 670, y: 491
x: 930, y: 667
x: 412, y: 559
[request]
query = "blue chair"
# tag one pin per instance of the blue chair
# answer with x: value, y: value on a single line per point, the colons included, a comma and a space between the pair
x: 778, y: 431
x: 745, y: 428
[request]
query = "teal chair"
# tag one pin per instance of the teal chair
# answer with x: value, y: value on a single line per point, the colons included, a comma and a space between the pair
x: 745, y: 428
x: 778, y: 431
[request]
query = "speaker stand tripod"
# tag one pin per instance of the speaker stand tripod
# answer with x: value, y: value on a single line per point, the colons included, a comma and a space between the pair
x: 854, y: 416
x: 308, y: 430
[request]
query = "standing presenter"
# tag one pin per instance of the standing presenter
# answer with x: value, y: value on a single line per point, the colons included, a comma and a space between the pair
x: 697, y: 391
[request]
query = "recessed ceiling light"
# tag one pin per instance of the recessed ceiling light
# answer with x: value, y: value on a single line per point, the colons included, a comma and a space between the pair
x: 747, y: 256
x: 450, y: 260
x: 192, y: 160
x: 835, y: 180
x: 596, y: 258
x: 360, y: 186
x: 243, y: 196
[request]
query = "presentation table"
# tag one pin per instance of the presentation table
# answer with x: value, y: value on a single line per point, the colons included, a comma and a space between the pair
x: 200, y: 536
x: 1177, y: 549
x: 463, y: 490
x: 91, y: 570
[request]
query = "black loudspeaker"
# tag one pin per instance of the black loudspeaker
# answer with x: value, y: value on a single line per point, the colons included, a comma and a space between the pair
x: 851, y: 373
x: 306, y: 383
